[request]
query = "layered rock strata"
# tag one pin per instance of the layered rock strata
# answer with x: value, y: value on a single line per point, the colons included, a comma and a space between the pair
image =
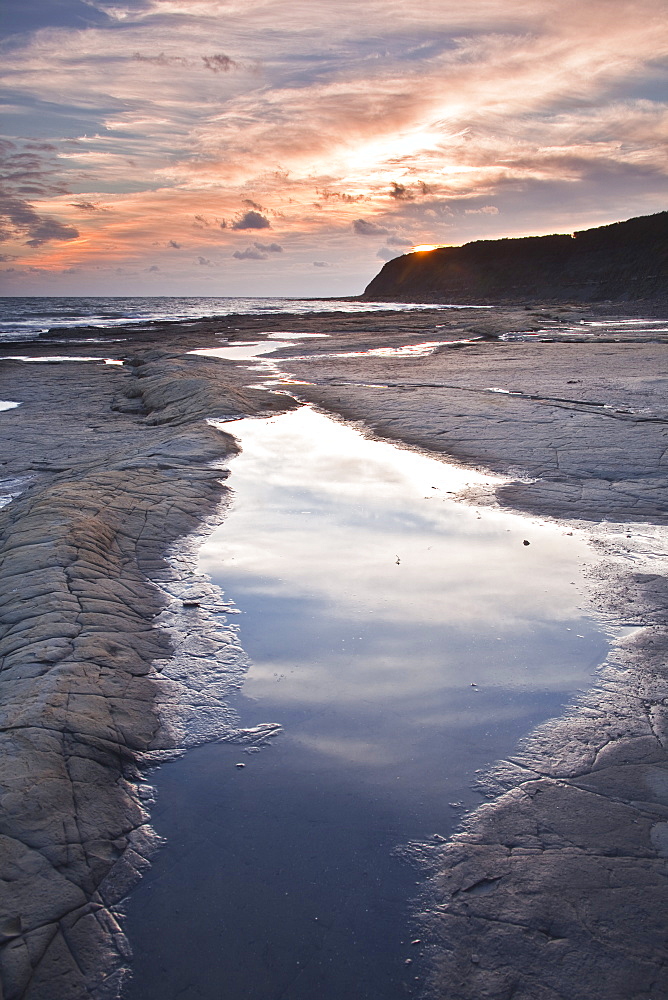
x: 579, y: 427
x: 549, y: 892
x: 556, y: 889
x: 108, y: 484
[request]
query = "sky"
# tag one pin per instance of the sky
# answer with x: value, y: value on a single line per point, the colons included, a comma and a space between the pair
x: 267, y: 147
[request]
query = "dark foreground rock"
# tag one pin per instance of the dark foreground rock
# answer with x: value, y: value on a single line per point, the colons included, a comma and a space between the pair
x: 627, y: 261
x: 82, y: 698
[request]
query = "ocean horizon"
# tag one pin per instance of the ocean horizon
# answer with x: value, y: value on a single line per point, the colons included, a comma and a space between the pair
x: 26, y: 317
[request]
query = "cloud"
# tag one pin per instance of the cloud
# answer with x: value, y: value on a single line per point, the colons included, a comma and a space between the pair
x: 174, y: 245
x: 204, y: 262
x: 18, y: 217
x: 252, y: 220
x: 160, y: 60
x: 259, y: 251
x: 365, y: 228
x: 219, y: 63
x: 153, y: 267
x: 386, y: 254
x: 250, y: 253
x: 403, y: 193
x: 400, y: 191
x: 25, y: 169
x: 348, y: 199
x: 87, y: 206
x: 425, y: 120
x: 269, y: 247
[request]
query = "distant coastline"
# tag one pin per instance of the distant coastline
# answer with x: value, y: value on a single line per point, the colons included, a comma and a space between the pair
x: 623, y: 262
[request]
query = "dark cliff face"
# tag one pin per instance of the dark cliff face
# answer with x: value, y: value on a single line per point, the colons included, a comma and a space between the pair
x: 624, y: 261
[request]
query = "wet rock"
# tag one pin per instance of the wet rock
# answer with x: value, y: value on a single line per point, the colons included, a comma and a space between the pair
x: 81, y: 703
x: 563, y: 459
x: 556, y: 884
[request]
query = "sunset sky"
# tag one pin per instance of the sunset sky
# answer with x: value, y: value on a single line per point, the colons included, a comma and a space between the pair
x: 267, y: 147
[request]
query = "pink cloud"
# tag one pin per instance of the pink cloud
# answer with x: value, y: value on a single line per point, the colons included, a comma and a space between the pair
x: 444, y: 122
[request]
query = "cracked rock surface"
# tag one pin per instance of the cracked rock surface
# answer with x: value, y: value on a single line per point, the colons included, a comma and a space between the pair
x: 587, y: 423
x: 114, y: 654
x: 107, y: 485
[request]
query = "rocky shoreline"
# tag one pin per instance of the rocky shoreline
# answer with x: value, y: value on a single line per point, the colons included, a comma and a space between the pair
x: 85, y: 695
x: 552, y: 890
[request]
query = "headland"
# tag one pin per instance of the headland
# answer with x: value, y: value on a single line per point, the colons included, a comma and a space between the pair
x: 626, y: 262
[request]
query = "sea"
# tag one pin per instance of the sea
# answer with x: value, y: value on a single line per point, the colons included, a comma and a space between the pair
x: 24, y: 318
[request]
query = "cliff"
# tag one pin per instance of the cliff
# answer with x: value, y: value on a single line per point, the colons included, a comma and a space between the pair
x: 625, y: 261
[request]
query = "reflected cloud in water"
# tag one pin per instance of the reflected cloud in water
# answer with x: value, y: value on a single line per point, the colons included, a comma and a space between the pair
x: 376, y: 609
x: 242, y: 351
x: 402, y: 643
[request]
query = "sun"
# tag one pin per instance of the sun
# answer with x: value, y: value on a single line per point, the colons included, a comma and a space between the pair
x: 424, y: 247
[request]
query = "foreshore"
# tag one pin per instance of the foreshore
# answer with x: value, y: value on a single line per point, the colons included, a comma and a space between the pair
x: 555, y: 889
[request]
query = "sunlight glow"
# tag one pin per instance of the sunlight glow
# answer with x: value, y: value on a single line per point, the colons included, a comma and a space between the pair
x: 180, y: 140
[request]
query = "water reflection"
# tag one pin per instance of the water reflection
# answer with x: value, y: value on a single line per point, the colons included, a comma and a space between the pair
x: 403, y: 641
x: 370, y: 595
x: 593, y: 328
x: 242, y: 351
x: 406, y: 351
